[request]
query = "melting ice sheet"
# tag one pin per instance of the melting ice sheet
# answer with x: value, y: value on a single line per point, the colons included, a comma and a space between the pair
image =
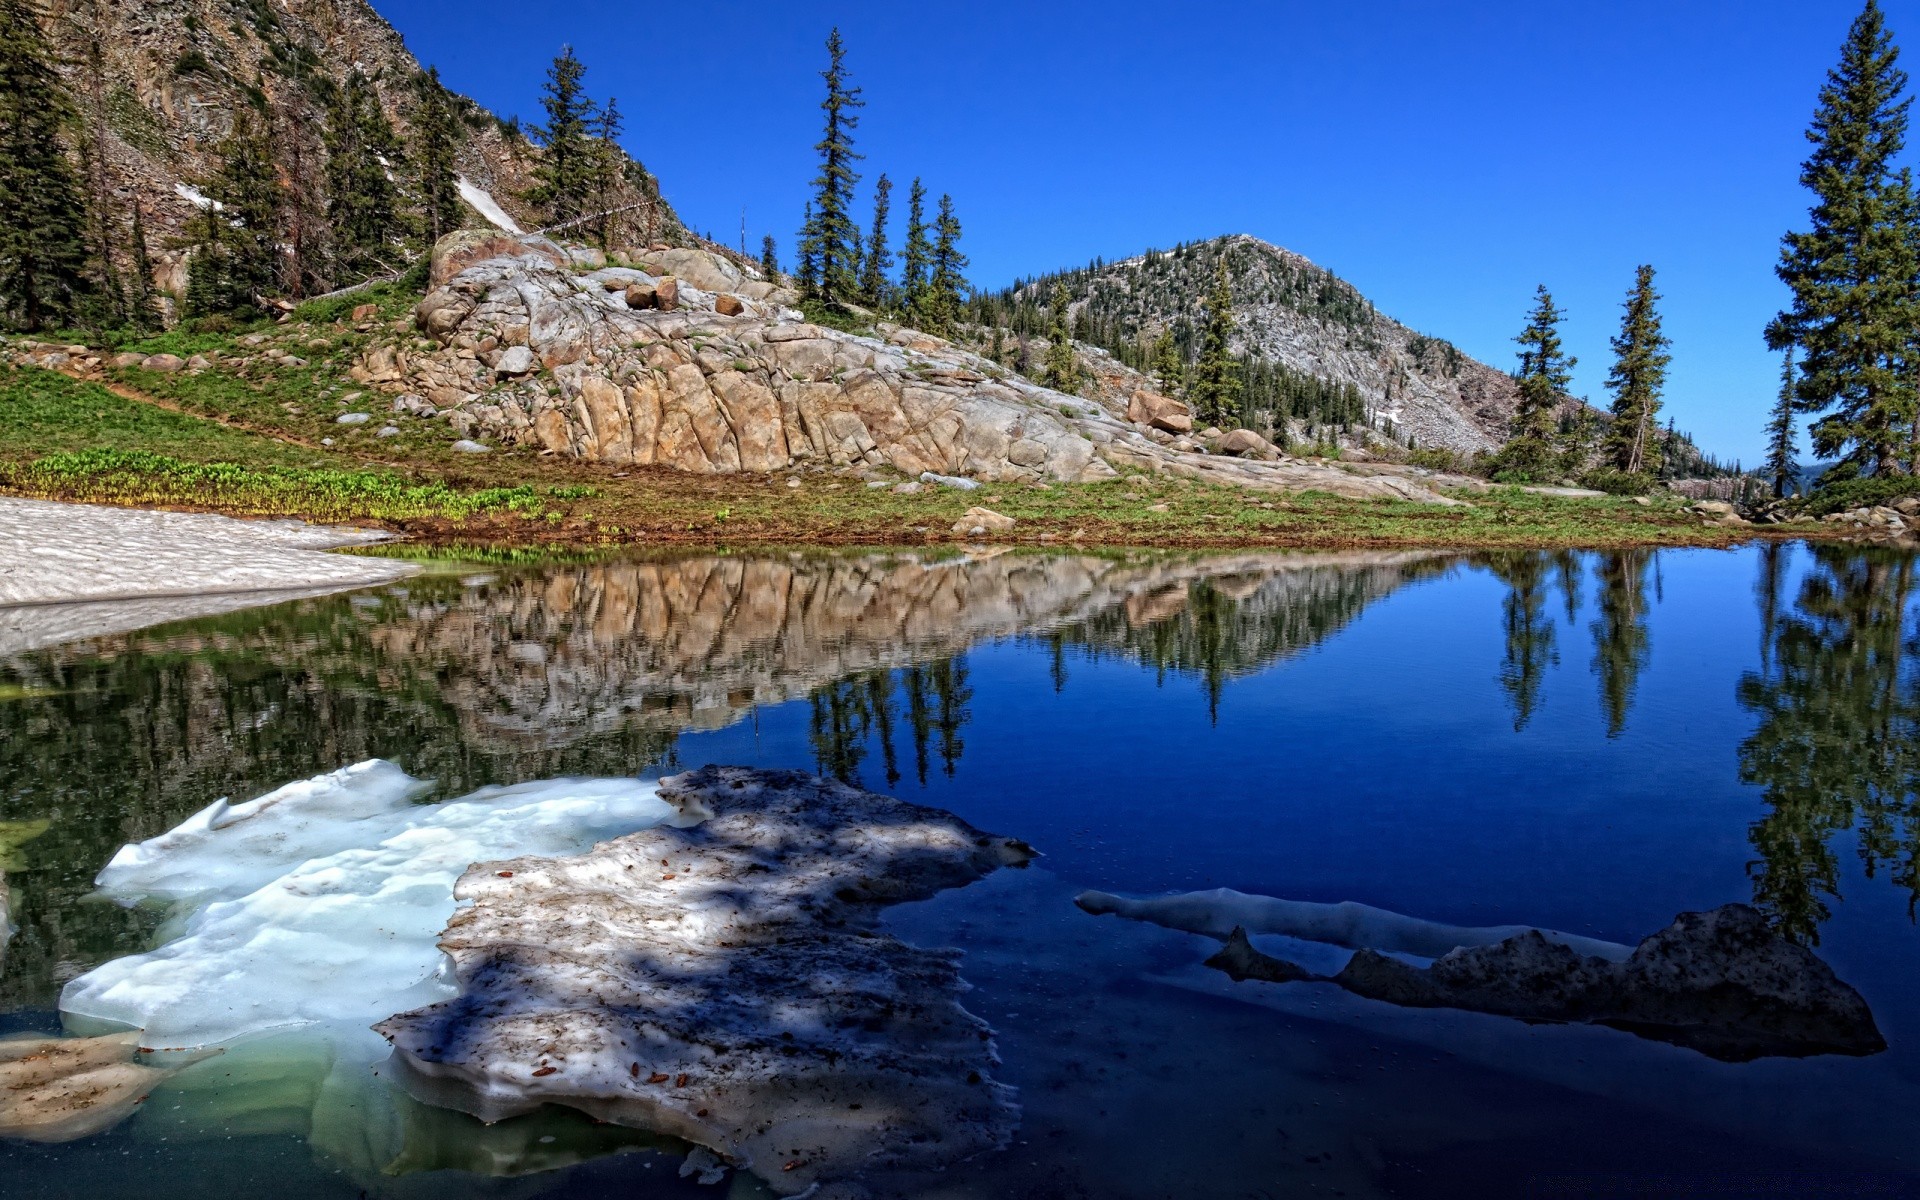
x: 322, y: 903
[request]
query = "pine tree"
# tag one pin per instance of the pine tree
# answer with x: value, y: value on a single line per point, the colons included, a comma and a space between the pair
x: 1546, y: 371
x: 830, y: 230
x: 917, y: 258
x: 43, y: 219
x: 607, y: 156
x: 808, y: 268
x: 363, y: 205
x: 299, y: 161
x: 1214, y: 384
x: 1639, y: 372
x: 1165, y: 359
x: 143, y: 301
x: 237, y: 254
x: 1855, y: 310
x: 879, y: 259
x: 1062, y: 368
x: 947, y: 287
x: 997, y: 350
x: 436, y: 142
x: 1780, y: 466
x: 563, y: 178
x: 107, y: 306
x: 770, y: 259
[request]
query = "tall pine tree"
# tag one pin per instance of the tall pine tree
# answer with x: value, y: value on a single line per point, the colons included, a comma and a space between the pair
x: 563, y: 178
x: 363, y: 204
x: 143, y: 299
x: 607, y: 165
x: 807, y: 270
x: 43, y: 218
x: 1546, y: 372
x: 1780, y: 466
x: 1063, y: 369
x: 770, y: 259
x: 879, y: 259
x: 830, y: 230
x: 1855, y: 310
x: 1639, y: 372
x: 436, y: 140
x: 949, y: 282
x: 1213, y: 386
x: 916, y: 263
x: 236, y: 255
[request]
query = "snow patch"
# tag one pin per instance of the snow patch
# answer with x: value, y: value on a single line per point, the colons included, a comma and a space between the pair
x: 484, y: 204
x: 194, y: 196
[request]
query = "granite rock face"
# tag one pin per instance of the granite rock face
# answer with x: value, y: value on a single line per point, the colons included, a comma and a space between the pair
x: 724, y: 982
x: 679, y: 382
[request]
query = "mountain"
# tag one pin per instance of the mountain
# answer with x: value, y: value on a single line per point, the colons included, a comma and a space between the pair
x: 1321, y: 350
x: 158, y: 83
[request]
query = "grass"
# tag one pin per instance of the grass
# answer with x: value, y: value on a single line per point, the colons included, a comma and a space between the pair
x: 278, y: 421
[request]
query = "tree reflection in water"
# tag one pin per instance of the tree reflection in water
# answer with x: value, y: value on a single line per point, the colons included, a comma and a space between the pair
x: 1837, y: 749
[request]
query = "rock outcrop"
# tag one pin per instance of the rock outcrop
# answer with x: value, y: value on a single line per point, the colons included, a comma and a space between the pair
x: 725, y: 983
x: 688, y: 386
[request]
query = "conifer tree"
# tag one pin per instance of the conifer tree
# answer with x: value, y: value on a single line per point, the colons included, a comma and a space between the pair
x: 1855, y: 308
x: 916, y: 264
x: 1639, y: 372
x: 563, y: 178
x: 436, y: 142
x: 997, y: 350
x: 879, y: 260
x: 770, y: 259
x: 1214, y: 384
x: 43, y: 219
x: 807, y: 270
x: 1165, y: 359
x: 830, y: 230
x: 298, y: 158
x: 143, y: 302
x: 108, y: 302
x: 607, y: 154
x: 1062, y: 368
x: 1780, y: 466
x: 1546, y: 371
x: 363, y: 205
x: 948, y: 285
x: 237, y: 253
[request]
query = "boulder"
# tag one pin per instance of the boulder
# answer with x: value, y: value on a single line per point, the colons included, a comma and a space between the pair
x: 1159, y: 412
x: 365, y: 312
x: 666, y: 294
x: 166, y: 363
x: 469, y: 446
x: 463, y: 248
x: 515, y: 361
x: 126, y: 359
x: 353, y: 418
x: 641, y: 295
x: 728, y: 305
x: 702, y: 269
x: 1245, y: 443
x: 977, y: 522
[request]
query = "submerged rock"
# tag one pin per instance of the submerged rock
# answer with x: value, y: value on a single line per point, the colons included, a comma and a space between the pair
x: 61, y: 1089
x: 724, y: 983
x: 1721, y: 982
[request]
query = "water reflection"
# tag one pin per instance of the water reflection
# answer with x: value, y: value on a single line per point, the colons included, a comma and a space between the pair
x: 1838, y: 744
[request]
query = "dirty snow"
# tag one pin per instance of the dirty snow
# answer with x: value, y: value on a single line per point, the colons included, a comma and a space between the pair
x: 484, y: 204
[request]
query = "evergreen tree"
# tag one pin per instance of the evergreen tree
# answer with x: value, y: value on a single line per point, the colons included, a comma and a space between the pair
x: 832, y: 236
x: 1639, y: 372
x: 1531, y: 635
x: 298, y: 158
x: 436, y: 142
x: 1214, y: 384
x: 236, y: 260
x: 108, y: 302
x: 808, y: 268
x: 1780, y: 466
x: 563, y: 178
x: 43, y: 219
x: 143, y: 301
x: 363, y: 205
x: 879, y: 259
x: 770, y: 259
x: 1165, y: 359
x: 997, y: 349
x: 1855, y: 310
x: 948, y: 285
x: 1546, y: 371
x: 916, y: 264
x: 1062, y: 368
x: 1621, y: 641
x: 607, y: 156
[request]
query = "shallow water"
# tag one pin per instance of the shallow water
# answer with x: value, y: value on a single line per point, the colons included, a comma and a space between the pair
x: 1587, y: 742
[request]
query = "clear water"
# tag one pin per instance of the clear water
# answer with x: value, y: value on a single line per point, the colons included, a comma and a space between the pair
x: 1588, y: 742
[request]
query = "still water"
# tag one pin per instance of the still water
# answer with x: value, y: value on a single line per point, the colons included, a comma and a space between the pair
x: 1592, y: 743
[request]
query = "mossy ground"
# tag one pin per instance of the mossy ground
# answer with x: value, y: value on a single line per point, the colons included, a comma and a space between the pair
x: 277, y: 420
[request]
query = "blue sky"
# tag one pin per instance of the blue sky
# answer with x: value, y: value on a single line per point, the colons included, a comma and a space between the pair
x: 1445, y: 158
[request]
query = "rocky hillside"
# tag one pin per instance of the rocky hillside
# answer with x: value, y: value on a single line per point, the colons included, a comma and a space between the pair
x: 1304, y: 320
x: 158, y: 83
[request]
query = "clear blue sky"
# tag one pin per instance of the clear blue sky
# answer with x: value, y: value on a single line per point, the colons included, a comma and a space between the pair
x: 1444, y: 157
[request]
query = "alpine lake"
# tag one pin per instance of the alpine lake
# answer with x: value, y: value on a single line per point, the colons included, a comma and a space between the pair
x: 1591, y: 743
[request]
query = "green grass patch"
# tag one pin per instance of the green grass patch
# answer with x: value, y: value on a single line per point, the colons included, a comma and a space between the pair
x: 43, y: 412
x: 141, y: 477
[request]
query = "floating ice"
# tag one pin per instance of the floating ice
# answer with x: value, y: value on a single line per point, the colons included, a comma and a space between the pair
x: 323, y: 901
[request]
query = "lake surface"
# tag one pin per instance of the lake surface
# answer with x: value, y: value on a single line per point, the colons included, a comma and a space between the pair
x: 1592, y: 743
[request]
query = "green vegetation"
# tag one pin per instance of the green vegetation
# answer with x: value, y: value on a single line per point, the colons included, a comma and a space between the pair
x: 363, y: 202
x: 43, y: 218
x: 1546, y: 372
x: 876, y: 283
x: 1855, y: 311
x: 1639, y: 372
x: 1212, y: 386
x: 1781, y: 466
x: 564, y: 175
x: 437, y: 142
x: 1063, y: 369
x: 831, y: 240
x: 43, y: 413
x: 142, y: 477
